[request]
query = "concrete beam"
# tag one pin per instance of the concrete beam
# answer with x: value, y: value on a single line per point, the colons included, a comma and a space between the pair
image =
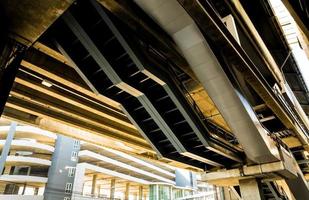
x: 296, y: 17
x: 49, y: 102
x: 37, y: 110
x: 271, y: 64
x: 231, y: 177
x: 48, y: 124
x: 61, y: 78
x: 51, y: 52
x: 75, y: 99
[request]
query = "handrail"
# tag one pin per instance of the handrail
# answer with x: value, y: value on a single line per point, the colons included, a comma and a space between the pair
x: 209, y: 124
x: 290, y: 111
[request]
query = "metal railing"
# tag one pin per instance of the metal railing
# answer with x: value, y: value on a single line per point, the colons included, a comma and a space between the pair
x: 220, y: 132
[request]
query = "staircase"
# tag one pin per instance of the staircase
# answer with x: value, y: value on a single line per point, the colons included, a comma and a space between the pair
x: 271, y: 191
x: 151, y: 98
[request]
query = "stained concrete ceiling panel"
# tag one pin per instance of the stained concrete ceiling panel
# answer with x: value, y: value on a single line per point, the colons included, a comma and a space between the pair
x: 28, y: 19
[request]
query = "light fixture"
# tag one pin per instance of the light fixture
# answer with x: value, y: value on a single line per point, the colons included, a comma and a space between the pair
x: 46, y: 83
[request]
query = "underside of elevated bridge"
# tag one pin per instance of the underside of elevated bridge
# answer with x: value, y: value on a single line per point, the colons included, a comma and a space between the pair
x: 215, y: 86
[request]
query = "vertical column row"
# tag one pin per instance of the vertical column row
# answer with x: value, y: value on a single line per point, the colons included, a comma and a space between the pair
x: 62, y: 171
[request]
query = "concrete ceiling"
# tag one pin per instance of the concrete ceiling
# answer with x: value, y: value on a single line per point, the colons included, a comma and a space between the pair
x: 29, y: 19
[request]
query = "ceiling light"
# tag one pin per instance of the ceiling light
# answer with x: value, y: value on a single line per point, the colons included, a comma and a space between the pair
x: 47, y: 83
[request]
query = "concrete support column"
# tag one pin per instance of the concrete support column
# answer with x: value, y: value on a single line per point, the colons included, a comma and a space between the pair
x: 24, y: 188
x: 65, y: 158
x: 250, y: 190
x: 93, y: 186
x: 140, y: 192
x: 127, y: 192
x: 230, y: 193
x: 2, y: 188
x: 171, y: 192
x: 221, y: 193
x: 112, y: 190
x: 98, y: 190
x: 36, y: 191
x: 182, y: 193
x: 7, y: 145
x: 157, y: 192
x: 7, y: 170
x: 216, y: 193
x: 78, y: 181
x: 298, y: 186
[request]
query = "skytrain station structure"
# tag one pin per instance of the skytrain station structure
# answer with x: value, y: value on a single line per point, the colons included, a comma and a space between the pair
x: 154, y: 99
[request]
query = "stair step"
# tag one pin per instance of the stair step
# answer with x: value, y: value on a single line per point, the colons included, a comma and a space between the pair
x: 93, y: 26
x: 138, y: 108
x: 148, y: 119
x: 187, y: 134
x: 109, y: 40
x: 86, y: 57
x: 120, y: 92
x: 162, y: 98
x: 121, y: 56
x: 144, y: 80
x: 134, y: 74
x: 164, y: 141
x: 180, y: 122
x: 130, y: 65
x: 155, y: 130
x: 172, y: 110
x: 97, y: 72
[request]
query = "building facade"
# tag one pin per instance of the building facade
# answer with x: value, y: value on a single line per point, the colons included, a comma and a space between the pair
x: 44, y: 165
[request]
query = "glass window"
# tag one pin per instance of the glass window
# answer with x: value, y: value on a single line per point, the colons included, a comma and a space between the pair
x: 76, y: 144
x: 68, y: 188
x: 71, y: 171
x: 164, y: 192
x: 177, y: 193
x: 74, y: 156
x: 153, y: 192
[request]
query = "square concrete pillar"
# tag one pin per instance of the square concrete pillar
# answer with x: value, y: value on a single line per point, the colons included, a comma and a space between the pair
x: 250, y: 190
x: 140, y: 192
x: 112, y: 189
x: 93, y: 186
x: 127, y: 191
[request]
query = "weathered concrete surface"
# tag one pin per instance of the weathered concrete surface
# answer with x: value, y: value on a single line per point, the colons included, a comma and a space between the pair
x: 28, y: 19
